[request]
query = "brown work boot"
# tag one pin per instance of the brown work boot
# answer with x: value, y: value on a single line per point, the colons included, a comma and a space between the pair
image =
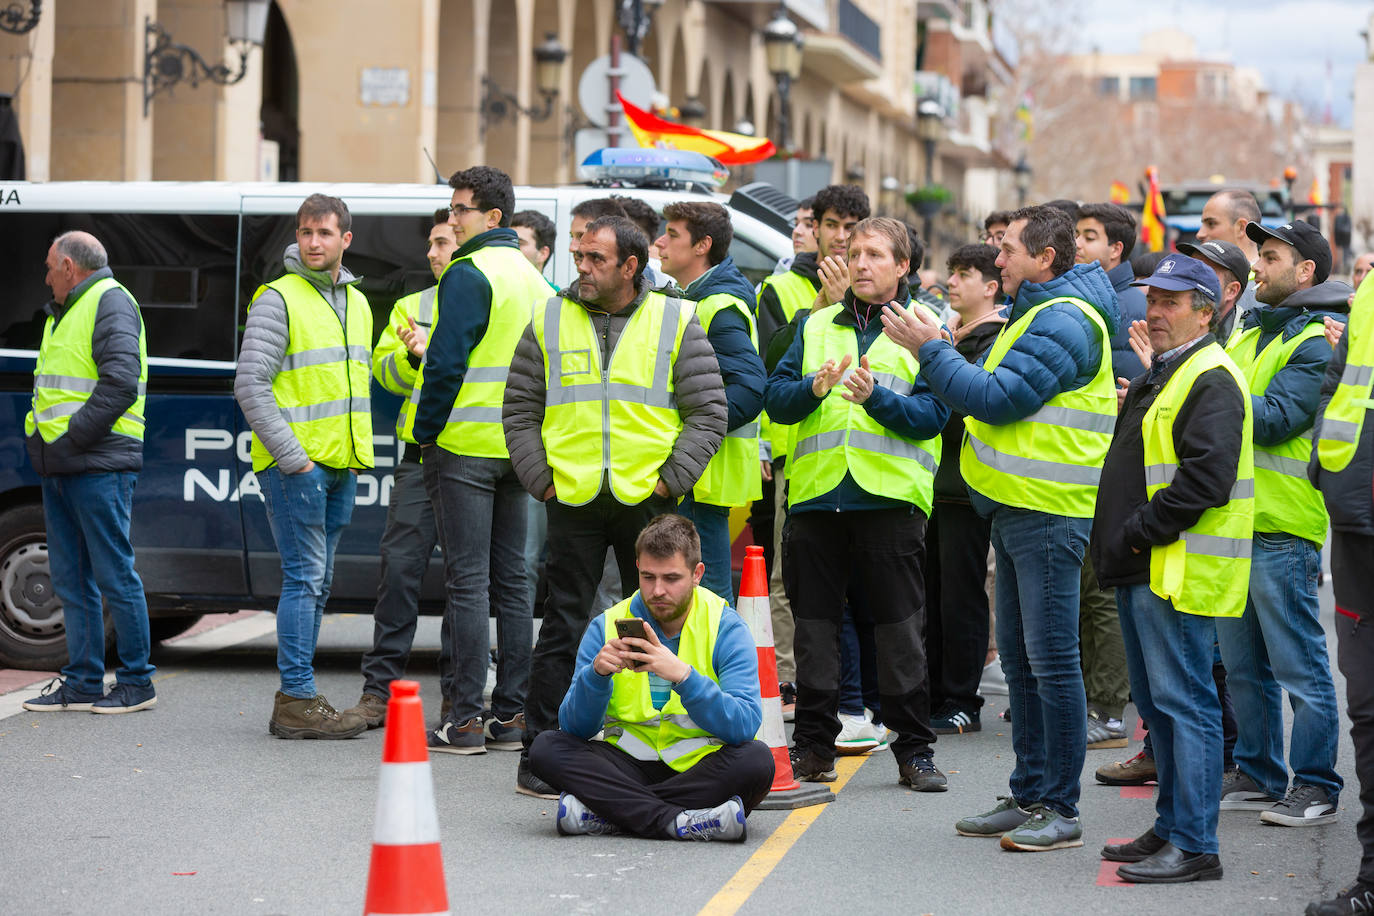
x: 312, y: 717
x: 1137, y: 771
x: 371, y: 709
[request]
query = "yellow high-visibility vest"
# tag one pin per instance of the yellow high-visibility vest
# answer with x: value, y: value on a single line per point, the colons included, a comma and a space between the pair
x: 65, y: 373
x: 324, y: 385
x: 1051, y: 460
x: 732, y: 476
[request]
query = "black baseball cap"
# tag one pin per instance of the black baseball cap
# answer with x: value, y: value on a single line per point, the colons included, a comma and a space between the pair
x: 1223, y: 254
x: 1305, y: 237
x: 1179, y: 272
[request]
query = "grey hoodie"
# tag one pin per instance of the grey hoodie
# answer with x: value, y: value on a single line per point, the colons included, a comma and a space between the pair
x: 265, y: 336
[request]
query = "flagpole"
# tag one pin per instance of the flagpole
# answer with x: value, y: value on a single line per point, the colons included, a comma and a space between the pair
x: 613, y: 103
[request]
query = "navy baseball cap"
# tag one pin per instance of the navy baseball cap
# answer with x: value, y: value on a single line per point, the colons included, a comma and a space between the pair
x: 1180, y: 272
x: 1222, y: 254
x: 1305, y: 237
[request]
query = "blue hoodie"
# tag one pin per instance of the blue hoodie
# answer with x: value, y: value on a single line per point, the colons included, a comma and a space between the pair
x: 728, y: 707
x: 741, y: 367
x: 1058, y: 352
x: 1130, y: 302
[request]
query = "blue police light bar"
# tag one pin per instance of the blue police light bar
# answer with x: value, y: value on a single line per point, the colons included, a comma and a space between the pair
x: 666, y: 168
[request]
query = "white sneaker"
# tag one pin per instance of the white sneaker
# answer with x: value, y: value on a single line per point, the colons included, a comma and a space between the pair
x: 993, y: 681
x: 860, y: 735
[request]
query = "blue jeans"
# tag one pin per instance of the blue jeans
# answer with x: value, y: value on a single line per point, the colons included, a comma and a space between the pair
x: 1279, y: 645
x: 1039, y: 564
x: 713, y: 525
x: 858, y: 663
x: 89, y: 555
x: 308, y: 513
x: 1169, y: 657
x: 481, y: 510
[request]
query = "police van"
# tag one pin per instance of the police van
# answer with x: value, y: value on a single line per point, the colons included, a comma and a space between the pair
x: 192, y: 254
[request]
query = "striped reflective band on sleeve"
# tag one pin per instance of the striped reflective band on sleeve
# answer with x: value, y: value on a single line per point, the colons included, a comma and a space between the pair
x: 326, y: 409
x: 1212, y: 545
x: 322, y: 355
x: 1036, y: 468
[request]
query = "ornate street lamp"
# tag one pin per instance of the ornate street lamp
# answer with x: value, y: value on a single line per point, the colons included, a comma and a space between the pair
x: 1023, y: 172
x: 499, y: 104
x: 782, y: 44
x: 635, y: 17
x: 14, y: 20
x: 930, y: 127
x: 166, y: 63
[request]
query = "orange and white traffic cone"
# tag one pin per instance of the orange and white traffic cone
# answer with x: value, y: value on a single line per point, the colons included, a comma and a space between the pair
x: 407, y: 870
x: 753, y: 606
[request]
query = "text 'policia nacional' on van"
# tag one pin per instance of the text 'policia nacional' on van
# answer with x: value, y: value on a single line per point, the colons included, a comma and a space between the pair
x: 192, y: 254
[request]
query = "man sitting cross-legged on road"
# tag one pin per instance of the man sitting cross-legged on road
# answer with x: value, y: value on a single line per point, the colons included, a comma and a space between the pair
x: 677, y: 712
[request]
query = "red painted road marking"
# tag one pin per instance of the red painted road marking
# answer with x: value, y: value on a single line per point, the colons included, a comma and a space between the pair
x: 1106, y: 874
x: 1138, y: 791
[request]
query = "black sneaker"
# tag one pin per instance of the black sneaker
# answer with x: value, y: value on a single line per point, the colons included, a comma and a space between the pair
x: 58, y: 697
x: 808, y: 766
x: 526, y: 783
x: 1303, y: 806
x: 919, y: 774
x: 787, y: 692
x: 1357, y: 898
x: 125, y: 698
x: 952, y: 720
x: 459, y: 737
x: 507, y: 734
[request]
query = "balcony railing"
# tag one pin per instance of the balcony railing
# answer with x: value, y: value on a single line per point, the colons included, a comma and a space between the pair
x: 855, y: 25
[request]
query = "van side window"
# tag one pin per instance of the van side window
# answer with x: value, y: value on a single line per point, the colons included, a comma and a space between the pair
x: 753, y: 261
x: 387, y: 252
x: 180, y: 268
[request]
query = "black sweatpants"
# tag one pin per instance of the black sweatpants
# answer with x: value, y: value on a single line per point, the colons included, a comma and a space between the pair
x: 880, y: 550
x: 644, y: 797
x: 1352, y: 582
x: 957, y: 617
x: 578, y: 538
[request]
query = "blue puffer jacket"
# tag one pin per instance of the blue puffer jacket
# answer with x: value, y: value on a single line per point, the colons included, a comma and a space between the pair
x: 1058, y: 352
x: 1130, y: 302
x: 741, y: 367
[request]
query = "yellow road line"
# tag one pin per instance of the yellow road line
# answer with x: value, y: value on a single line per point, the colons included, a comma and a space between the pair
x: 737, y: 890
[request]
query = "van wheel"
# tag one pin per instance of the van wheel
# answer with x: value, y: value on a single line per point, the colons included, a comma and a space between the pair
x: 162, y: 628
x: 31, y: 632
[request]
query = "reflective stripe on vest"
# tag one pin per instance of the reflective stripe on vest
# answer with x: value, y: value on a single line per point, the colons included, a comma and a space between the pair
x: 1350, y: 403
x: 618, y: 421
x: 1051, y: 460
x: 474, y: 422
x: 668, y: 734
x: 391, y: 358
x: 323, y: 388
x: 732, y: 476
x: 1207, y: 570
x: 1285, y: 500
x: 65, y: 373
x: 840, y: 437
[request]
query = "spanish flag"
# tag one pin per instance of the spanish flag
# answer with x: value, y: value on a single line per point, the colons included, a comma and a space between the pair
x: 1119, y: 194
x: 731, y: 149
x: 1152, y: 216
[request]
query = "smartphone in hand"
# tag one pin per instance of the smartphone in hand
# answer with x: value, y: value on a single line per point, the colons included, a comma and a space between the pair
x: 632, y: 626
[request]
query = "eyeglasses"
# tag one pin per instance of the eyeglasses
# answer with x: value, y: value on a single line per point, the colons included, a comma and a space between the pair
x: 459, y: 209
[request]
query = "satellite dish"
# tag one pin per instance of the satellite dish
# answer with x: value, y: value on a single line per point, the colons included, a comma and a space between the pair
x: 594, y: 87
